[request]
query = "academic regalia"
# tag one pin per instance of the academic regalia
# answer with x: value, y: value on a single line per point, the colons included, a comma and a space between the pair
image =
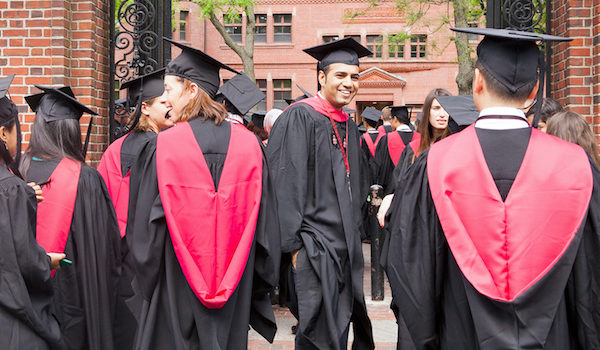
x: 203, y: 300
x: 77, y: 218
x: 321, y: 217
x: 84, y: 294
x: 26, y: 321
x: 173, y: 317
x: 387, y: 156
x: 496, y: 244
x: 114, y: 167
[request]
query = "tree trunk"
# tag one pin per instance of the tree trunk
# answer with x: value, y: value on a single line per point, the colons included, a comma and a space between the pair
x: 466, y: 64
x: 246, y: 53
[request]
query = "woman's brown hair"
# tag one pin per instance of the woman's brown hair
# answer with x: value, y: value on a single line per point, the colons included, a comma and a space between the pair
x: 143, y: 125
x: 425, y: 128
x: 202, y: 106
x: 572, y: 127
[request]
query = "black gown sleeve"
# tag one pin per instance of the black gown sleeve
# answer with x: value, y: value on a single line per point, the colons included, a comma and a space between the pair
x: 146, y: 222
x: 288, y: 155
x: 85, y: 292
x: 581, y: 294
x: 266, y: 264
x: 417, y: 250
x: 26, y: 289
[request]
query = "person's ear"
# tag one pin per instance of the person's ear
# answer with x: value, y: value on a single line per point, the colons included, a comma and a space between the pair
x: 4, y: 134
x: 479, y: 85
x: 322, y: 78
x: 194, y: 90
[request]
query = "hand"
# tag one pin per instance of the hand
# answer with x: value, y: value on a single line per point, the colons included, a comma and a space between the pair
x: 383, y: 208
x: 294, y: 257
x: 55, y: 259
x: 38, y: 191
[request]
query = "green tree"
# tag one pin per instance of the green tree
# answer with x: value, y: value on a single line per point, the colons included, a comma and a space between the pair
x: 229, y: 10
x: 417, y: 12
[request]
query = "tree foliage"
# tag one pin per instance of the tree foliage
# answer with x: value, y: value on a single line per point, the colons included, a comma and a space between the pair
x: 419, y: 13
x: 229, y: 10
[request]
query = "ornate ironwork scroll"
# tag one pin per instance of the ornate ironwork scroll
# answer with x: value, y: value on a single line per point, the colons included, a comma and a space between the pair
x: 137, y: 47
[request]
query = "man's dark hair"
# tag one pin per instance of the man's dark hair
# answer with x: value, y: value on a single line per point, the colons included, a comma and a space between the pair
x: 498, y: 89
x: 325, y: 70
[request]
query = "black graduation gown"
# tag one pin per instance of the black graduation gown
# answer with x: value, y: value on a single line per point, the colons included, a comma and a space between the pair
x: 371, y: 170
x: 84, y: 299
x: 384, y: 164
x: 444, y: 311
x: 172, y: 316
x: 321, y: 216
x: 129, y: 302
x: 26, y: 289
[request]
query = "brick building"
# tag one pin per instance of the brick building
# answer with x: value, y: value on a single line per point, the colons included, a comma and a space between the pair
x: 398, y: 73
x: 576, y: 64
x: 58, y: 42
x: 66, y: 42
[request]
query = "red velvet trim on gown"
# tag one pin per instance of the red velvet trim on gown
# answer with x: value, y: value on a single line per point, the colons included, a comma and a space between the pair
x: 504, y: 248
x: 117, y: 185
x: 323, y: 106
x: 396, y: 145
x: 55, y: 212
x: 369, y: 141
x: 212, y: 231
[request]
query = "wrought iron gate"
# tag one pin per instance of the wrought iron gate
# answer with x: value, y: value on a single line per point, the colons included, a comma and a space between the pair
x: 136, y: 47
x: 526, y: 15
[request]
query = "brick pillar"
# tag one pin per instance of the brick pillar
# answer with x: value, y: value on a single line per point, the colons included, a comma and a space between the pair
x: 576, y: 65
x: 59, y: 42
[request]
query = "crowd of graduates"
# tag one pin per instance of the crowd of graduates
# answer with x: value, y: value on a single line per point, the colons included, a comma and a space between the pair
x: 200, y: 211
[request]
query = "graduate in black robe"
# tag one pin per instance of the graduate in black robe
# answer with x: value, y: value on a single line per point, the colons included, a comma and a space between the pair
x: 176, y: 312
x: 26, y: 321
x: 149, y: 117
x: 315, y: 154
x: 369, y: 141
x: 388, y: 151
x: 495, y: 248
x: 77, y: 218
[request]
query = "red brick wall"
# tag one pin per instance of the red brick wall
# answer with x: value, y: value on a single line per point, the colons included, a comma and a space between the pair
x: 58, y: 42
x: 576, y: 65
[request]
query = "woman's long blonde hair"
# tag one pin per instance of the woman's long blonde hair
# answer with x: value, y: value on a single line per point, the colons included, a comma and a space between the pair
x: 572, y: 127
x: 202, y: 106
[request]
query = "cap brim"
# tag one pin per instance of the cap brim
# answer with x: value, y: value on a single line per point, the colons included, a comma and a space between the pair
x: 510, y: 34
x: 320, y: 51
x: 5, y: 84
x: 133, y: 81
x: 208, y: 58
x: 461, y: 109
x: 34, y: 100
x: 306, y: 93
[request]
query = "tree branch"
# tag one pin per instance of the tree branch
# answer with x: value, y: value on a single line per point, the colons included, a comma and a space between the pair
x: 228, y: 39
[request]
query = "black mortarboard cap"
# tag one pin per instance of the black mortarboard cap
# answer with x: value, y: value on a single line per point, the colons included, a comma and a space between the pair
x: 348, y: 110
x: 57, y: 104
x: 371, y: 114
x: 242, y: 93
x: 198, y: 67
x: 461, y: 109
x: 146, y: 86
x: 362, y: 129
x: 258, y: 118
x: 8, y: 110
x: 305, y: 94
x: 510, y: 56
x: 346, y: 51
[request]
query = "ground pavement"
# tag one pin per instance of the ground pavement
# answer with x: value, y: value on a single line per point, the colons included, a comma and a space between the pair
x: 385, y: 330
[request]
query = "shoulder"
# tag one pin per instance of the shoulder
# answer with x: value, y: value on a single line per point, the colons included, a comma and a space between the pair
x: 90, y: 175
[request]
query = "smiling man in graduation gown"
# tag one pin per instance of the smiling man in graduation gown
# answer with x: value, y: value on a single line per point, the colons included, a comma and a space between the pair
x: 315, y: 155
x: 204, y: 236
x: 497, y: 242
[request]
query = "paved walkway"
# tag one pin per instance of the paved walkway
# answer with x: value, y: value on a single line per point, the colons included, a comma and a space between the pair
x: 382, y: 319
